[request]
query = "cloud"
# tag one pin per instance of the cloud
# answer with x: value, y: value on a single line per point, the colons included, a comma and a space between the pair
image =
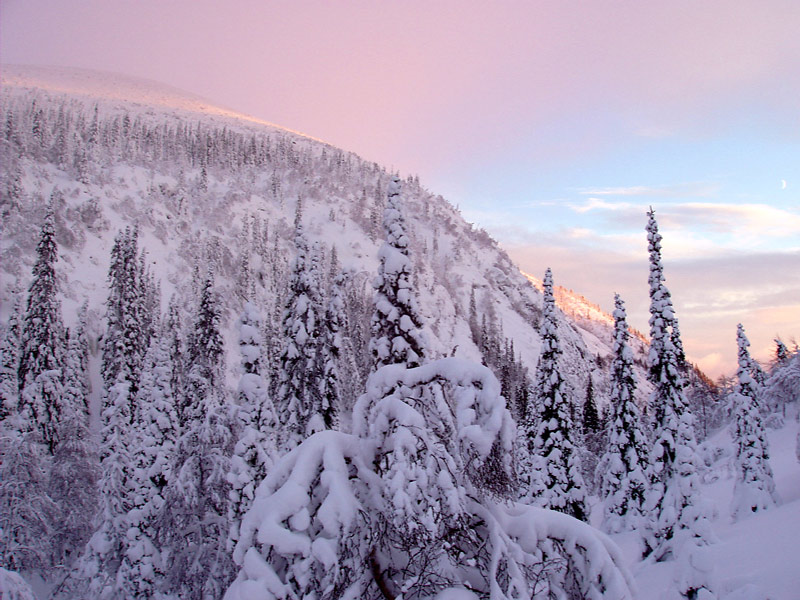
x: 600, y: 204
x: 739, y: 219
x: 679, y: 190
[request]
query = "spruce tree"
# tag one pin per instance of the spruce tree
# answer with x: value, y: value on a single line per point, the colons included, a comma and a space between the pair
x: 623, y: 467
x: 42, y: 343
x: 591, y: 416
x: 783, y: 385
x: 677, y: 524
x: 411, y: 427
x: 329, y: 357
x: 142, y: 570
x: 754, y: 489
x: 396, y: 325
x: 75, y: 387
x: 195, y: 525
x: 123, y: 344
x: 256, y: 449
x: 128, y: 333
x: 9, y: 361
x: 298, y: 389
x: 555, y: 480
x: 174, y: 332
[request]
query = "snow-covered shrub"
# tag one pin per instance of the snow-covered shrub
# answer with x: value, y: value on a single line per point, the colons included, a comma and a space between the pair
x: 404, y: 505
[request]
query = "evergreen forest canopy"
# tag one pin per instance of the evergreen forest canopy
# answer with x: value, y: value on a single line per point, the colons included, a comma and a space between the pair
x: 284, y: 425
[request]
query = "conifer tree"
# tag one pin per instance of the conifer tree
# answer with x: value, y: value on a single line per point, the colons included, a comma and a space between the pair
x: 128, y: 334
x: 142, y: 570
x: 173, y: 331
x: 555, y: 480
x: 123, y: 343
x: 677, y: 524
x: 256, y: 450
x: 42, y: 343
x: 330, y: 355
x: 298, y: 389
x: 195, y: 523
x: 412, y: 427
x: 783, y: 385
x: 9, y: 361
x: 781, y: 352
x: 623, y: 467
x: 75, y: 388
x: 591, y: 417
x: 396, y: 325
x: 754, y: 489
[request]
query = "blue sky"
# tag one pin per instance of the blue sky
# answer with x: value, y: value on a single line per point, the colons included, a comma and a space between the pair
x: 552, y: 124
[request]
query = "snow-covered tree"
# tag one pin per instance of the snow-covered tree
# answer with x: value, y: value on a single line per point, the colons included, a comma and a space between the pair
x: 9, y: 361
x: 195, y: 517
x: 256, y: 449
x: 176, y: 343
x: 123, y: 351
x: 142, y: 571
x: 42, y: 342
x: 754, y: 489
x: 783, y: 385
x: 72, y: 486
x: 591, y: 416
x: 128, y: 333
x: 14, y: 587
x: 95, y: 574
x: 622, y: 468
x: 298, y: 391
x: 75, y: 395
x: 396, y: 324
x: 553, y: 478
x: 328, y: 519
x: 329, y: 356
x: 677, y: 523
x: 27, y: 513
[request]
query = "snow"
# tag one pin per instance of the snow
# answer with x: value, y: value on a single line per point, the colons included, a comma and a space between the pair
x: 14, y: 587
x: 753, y: 559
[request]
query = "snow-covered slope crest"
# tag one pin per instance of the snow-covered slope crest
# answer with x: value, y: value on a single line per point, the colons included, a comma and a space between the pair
x: 112, y: 88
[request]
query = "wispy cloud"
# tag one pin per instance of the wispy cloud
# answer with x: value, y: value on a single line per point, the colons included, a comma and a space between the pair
x: 677, y: 190
x: 599, y: 204
x: 751, y: 220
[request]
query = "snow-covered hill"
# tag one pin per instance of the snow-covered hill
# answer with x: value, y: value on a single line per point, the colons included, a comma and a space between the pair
x: 214, y: 192
x: 187, y: 211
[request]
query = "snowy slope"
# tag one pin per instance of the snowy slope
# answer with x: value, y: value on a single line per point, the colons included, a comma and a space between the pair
x: 178, y: 221
x: 756, y: 558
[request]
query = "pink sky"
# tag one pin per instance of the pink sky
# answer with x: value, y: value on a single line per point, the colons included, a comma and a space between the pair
x: 516, y: 111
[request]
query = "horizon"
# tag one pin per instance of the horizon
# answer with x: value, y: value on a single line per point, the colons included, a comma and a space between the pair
x: 544, y: 128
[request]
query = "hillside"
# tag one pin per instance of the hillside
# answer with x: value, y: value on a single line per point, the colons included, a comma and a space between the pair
x: 213, y: 198
x: 182, y: 219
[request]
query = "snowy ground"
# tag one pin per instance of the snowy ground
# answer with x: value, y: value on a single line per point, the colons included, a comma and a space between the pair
x: 757, y: 558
